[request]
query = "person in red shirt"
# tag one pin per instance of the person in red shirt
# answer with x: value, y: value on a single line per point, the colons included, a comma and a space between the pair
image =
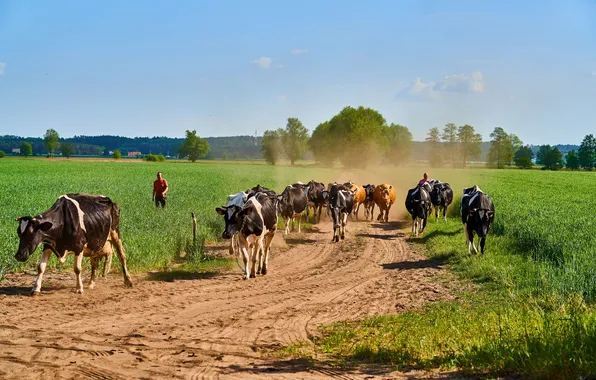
x: 160, y: 187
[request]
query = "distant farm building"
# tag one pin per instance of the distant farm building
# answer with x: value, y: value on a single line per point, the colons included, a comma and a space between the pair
x: 16, y: 150
x: 134, y: 154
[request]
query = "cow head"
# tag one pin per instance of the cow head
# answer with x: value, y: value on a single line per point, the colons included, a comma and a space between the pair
x: 31, y: 233
x: 370, y: 190
x: 483, y: 219
x: 385, y: 195
x: 435, y: 194
x: 232, y: 218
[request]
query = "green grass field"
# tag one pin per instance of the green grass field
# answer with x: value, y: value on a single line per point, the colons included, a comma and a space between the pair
x: 152, y: 237
x: 528, y: 306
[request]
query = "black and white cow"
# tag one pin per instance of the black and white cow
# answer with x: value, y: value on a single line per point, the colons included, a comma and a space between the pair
x: 369, y: 202
x: 239, y: 199
x: 341, y: 204
x: 255, y: 224
x: 477, y: 215
x: 418, y: 204
x: 441, y: 197
x: 85, y: 225
x: 316, y: 196
x: 291, y: 204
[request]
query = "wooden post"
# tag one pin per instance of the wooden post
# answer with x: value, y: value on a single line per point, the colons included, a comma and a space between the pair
x: 194, y: 227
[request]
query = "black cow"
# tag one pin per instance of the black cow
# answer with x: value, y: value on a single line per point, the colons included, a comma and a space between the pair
x: 85, y: 225
x: 291, y: 204
x: 316, y: 196
x: 255, y: 225
x: 441, y: 197
x: 477, y: 215
x: 369, y: 202
x: 341, y: 203
x: 418, y: 204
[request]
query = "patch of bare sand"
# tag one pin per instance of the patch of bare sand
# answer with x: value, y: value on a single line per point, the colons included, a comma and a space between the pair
x: 217, y: 326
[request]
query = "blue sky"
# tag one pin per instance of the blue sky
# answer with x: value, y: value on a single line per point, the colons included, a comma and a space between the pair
x: 146, y: 68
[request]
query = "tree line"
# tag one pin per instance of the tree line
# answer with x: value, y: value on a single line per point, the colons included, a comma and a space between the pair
x: 361, y: 136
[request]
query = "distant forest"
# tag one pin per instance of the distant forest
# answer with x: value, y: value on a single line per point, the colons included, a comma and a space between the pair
x: 231, y: 147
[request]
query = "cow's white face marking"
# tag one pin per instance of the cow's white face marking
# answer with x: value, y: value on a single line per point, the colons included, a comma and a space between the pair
x: 81, y: 213
x: 23, y: 225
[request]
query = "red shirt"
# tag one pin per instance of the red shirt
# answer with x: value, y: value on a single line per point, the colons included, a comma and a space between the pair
x: 159, y: 185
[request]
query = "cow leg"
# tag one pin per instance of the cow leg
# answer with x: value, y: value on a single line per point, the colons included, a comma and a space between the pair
x: 254, y: 251
x: 482, y: 243
x: 423, y: 222
x: 445, y: 213
x: 78, y: 268
x: 246, y: 260
x: 260, y: 256
x: 387, y: 214
x: 437, y: 212
x: 299, y: 224
x: 286, y: 226
x: 344, y: 222
x: 94, y: 267
x: 107, y: 264
x: 268, y: 239
x: 115, y: 239
x: 41, y: 268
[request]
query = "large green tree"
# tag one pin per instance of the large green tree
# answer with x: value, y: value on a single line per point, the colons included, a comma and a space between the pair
x: 271, y: 146
x: 67, y: 149
x: 523, y: 157
x: 587, y: 153
x: 294, y: 139
x: 50, y: 140
x: 450, y: 143
x: 26, y: 149
x: 400, y: 144
x: 572, y: 160
x: 360, y: 134
x: 501, y: 148
x: 321, y: 144
x: 434, y: 148
x: 469, y: 142
x: 193, y: 146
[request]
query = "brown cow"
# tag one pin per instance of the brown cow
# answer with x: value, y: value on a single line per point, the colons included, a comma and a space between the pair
x: 359, y: 195
x: 384, y: 197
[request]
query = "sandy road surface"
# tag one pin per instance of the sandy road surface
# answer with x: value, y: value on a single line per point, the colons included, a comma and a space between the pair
x: 214, y: 326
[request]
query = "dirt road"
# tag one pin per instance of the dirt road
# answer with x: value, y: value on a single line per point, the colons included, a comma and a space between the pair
x: 214, y: 326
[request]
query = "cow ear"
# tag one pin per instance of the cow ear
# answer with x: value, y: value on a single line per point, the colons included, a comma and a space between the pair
x: 44, y: 226
x: 220, y: 210
x: 246, y: 211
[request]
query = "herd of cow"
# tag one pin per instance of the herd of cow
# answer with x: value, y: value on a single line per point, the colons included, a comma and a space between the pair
x: 88, y: 225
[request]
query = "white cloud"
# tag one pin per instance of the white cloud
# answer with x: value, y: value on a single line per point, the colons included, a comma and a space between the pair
x: 263, y: 62
x: 450, y: 83
x: 298, y: 51
x: 420, y: 90
x: 462, y: 83
x: 2, y: 64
